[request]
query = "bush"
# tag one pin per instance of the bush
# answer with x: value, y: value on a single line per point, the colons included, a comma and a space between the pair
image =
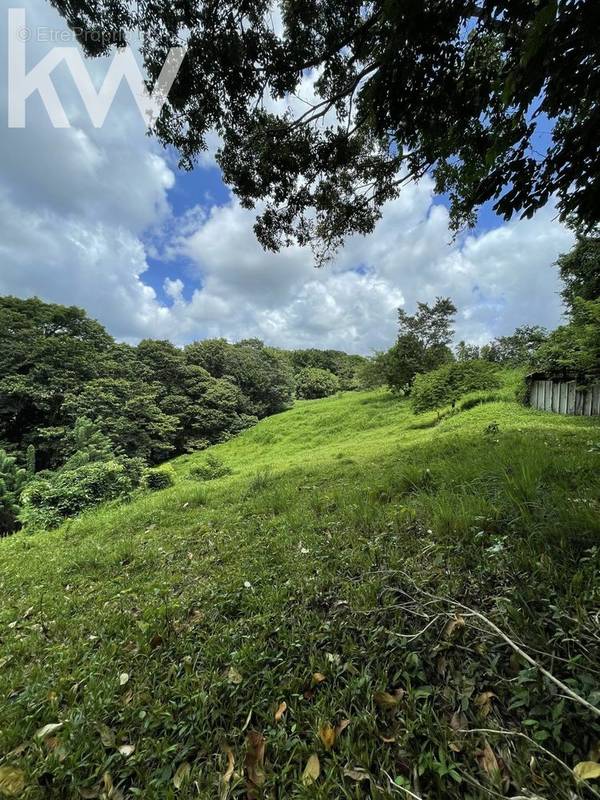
x: 12, y: 481
x: 447, y: 384
x: 157, y: 479
x: 52, y: 497
x: 313, y: 383
x: 213, y: 468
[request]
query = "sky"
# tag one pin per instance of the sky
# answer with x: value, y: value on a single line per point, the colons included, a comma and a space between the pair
x: 102, y: 218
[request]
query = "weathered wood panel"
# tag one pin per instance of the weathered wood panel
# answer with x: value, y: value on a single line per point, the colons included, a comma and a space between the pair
x: 563, y: 397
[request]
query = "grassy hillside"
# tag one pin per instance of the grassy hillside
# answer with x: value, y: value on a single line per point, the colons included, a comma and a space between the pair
x: 323, y: 573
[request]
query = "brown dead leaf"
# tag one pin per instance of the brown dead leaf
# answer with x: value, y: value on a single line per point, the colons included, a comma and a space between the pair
x: 453, y: 626
x: 255, y: 758
x: 387, y: 739
x: 484, y: 702
x: 386, y: 700
x: 488, y: 761
x: 182, y: 775
x: 458, y: 721
x: 12, y: 781
x: 341, y: 726
x: 327, y: 736
x: 311, y: 771
x: 318, y: 678
x: 156, y: 641
x: 280, y: 711
x: 356, y: 774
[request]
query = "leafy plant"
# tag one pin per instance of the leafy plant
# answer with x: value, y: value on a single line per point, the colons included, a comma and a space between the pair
x: 211, y: 469
x: 313, y: 383
x: 158, y: 479
x: 444, y: 386
x: 12, y: 480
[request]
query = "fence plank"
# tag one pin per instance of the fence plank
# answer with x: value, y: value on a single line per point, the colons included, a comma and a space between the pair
x: 571, y: 397
x: 563, y: 397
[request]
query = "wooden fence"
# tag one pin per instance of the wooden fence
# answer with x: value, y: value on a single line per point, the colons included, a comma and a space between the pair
x: 563, y: 397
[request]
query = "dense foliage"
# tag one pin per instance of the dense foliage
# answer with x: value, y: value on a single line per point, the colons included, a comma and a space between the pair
x: 312, y: 383
x: 574, y: 348
x: 445, y: 385
x: 347, y: 368
x: 92, y: 412
x: 458, y: 89
x: 423, y: 343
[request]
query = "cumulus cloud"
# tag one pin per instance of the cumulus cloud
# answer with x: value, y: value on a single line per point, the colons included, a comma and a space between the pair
x: 83, y: 210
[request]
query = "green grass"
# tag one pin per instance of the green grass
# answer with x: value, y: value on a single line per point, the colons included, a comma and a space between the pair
x: 311, y: 557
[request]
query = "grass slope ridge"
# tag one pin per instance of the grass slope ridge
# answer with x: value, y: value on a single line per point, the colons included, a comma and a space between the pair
x: 175, y: 627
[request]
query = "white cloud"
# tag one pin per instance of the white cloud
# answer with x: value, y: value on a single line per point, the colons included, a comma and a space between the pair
x: 76, y: 207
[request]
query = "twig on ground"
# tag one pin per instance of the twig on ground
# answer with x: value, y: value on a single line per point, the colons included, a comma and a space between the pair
x: 563, y: 687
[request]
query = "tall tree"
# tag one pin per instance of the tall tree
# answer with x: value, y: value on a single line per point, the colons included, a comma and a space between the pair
x: 423, y: 342
x: 389, y: 91
x: 580, y: 270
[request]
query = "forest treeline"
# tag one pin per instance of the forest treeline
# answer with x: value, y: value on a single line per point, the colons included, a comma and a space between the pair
x: 84, y: 419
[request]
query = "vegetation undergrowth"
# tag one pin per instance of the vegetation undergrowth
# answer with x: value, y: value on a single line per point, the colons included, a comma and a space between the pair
x: 281, y: 595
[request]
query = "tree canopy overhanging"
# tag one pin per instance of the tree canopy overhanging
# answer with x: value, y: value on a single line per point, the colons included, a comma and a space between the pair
x: 496, y: 101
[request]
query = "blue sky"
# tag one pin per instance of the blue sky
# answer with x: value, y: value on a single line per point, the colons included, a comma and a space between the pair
x: 103, y: 218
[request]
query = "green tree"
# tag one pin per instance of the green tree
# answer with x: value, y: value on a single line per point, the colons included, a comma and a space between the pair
x: 12, y: 482
x: 466, y: 351
x: 575, y: 347
x: 129, y: 414
x: 46, y: 352
x: 580, y: 270
x: 518, y: 349
x: 457, y: 89
x: 312, y: 383
x: 423, y: 343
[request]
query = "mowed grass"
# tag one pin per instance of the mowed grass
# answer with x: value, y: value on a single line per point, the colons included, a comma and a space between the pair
x: 178, y: 624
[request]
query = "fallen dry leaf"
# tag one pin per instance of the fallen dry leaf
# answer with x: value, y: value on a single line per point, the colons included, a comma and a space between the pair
x: 458, y: 721
x: 230, y: 765
x: 453, y: 626
x: 311, y: 771
x: 123, y: 678
x: 182, y: 775
x: 127, y: 750
x: 327, y: 736
x: 318, y: 677
x: 386, y: 700
x: 586, y: 770
x: 341, y: 726
x: 48, y: 729
x: 488, y: 761
x: 107, y: 737
x: 12, y: 781
x: 255, y: 758
x: 280, y: 711
x: 127, y: 697
x: 484, y: 702
x: 356, y: 774
x: 233, y: 676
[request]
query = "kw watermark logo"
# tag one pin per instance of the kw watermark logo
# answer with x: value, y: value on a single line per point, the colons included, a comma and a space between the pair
x: 23, y: 84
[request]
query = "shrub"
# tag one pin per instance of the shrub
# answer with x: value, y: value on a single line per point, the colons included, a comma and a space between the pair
x: 54, y: 496
x: 446, y: 384
x: 12, y: 480
x: 313, y: 383
x: 212, y: 468
x: 157, y: 479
